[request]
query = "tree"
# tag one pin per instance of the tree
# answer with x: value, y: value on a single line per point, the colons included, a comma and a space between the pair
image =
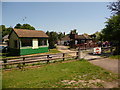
x: 60, y: 36
x: 111, y: 32
x: 18, y: 26
x: 93, y: 36
x: 73, y: 31
x: 5, y: 30
x: 24, y: 26
x: 53, y: 37
x: 114, y: 7
x: 97, y: 36
x: 27, y: 26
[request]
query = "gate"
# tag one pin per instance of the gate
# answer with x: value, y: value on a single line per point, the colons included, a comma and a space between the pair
x: 92, y: 52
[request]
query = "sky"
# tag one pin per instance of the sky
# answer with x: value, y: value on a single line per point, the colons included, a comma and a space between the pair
x: 86, y: 17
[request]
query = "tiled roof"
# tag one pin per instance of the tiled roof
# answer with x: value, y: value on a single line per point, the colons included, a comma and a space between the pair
x: 5, y: 37
x: 79, y: 37
x: 30, y: 33
x: 66, y: 38
x: 87, y: 36
x: 82, y: 37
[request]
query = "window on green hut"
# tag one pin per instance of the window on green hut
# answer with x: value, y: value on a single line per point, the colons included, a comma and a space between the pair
x: 42, y: 42
x: 26, y: 42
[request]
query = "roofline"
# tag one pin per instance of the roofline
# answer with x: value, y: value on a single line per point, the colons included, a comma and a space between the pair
x: 30, y: 37
x: 33, y: 37
x: 11, y: 33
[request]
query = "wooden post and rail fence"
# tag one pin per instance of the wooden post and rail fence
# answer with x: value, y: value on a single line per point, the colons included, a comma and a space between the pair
x: 38, y: 58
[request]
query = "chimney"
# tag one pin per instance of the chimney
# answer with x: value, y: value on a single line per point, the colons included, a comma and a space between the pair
x: 64, y: 33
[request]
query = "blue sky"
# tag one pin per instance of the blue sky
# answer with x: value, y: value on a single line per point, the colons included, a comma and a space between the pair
x: 86, y: 17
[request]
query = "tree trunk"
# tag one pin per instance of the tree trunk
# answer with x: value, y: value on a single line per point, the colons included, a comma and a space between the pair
x: 117, y: 50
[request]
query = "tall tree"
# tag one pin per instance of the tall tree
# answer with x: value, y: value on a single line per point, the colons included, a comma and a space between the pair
x: 27, y: 26
x: 60, y: 36
x: 53, y: 37
x: 18, y: 26
x: 73, y: 31
x: 112, y: 31
x: 24, y: 26
x: 115, y: 7
x: 97, y: 36
x: 5, y: 30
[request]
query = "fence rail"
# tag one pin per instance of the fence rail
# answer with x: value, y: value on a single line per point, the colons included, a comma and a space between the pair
x: 38, y: 58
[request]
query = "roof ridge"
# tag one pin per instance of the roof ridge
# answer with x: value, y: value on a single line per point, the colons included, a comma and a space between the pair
x: 26, y: 29
x: 30, y: 33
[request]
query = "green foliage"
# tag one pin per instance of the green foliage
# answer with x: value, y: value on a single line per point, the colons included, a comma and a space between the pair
x: 60, y: 35
x: 24, y: 26
x: 54, y: 37
x: 73, y: 31
x: 115, y: 7
x: 5, y: 30
x: 97, y: 36
x: 18, y: 26
x: 52, y: 75
x: 112, y: 30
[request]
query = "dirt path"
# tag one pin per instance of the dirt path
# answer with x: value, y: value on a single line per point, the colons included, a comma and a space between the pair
x: 106, y: 63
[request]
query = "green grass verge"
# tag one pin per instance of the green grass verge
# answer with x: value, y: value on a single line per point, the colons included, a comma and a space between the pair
x: 54, y: 51
x: 56, y: 75
x: 115, y: 57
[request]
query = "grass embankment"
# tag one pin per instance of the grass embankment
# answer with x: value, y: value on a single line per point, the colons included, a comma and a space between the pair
x: 79, y: 74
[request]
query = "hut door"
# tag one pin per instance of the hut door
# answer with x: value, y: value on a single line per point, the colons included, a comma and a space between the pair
x: 35, y: 43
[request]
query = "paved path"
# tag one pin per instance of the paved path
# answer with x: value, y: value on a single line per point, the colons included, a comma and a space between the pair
x: 106, y: 63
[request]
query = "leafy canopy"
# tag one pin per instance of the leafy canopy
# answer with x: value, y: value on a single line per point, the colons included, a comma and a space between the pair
x: 5, y: 30
x: 111, y: 31
x: 24, y: 26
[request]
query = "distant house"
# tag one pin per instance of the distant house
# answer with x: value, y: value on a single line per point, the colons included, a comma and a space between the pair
x: 5, y: 39
x: 79, y: 39
x: 64, y: 41
x: 73, y: 39
x: 24, y: 42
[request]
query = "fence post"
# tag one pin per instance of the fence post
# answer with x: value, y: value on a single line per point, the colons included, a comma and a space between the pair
x: 63, y: 56
x: 78, y: 54
x: 5, y: 61
x: 23, y: 60
x: 48, y: 59
x: 111, y: 49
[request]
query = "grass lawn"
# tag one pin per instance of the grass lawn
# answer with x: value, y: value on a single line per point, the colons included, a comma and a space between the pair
x: 79, y: 74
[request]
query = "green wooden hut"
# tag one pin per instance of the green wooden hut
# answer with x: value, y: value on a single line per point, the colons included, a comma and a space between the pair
x: 24, y: 42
